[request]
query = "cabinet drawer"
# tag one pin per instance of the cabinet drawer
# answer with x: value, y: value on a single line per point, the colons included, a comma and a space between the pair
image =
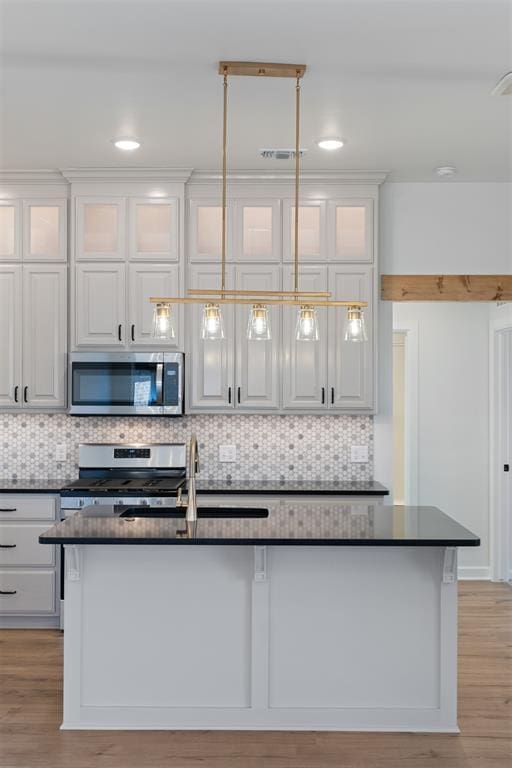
x: 27, y: 591
x: 19, y: 545
x: 21, y: 507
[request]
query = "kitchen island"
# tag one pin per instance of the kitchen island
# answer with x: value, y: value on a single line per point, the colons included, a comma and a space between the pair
x: 315, y: 614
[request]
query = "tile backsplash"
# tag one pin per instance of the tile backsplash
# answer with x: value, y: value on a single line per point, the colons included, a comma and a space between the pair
x: 281, y: 448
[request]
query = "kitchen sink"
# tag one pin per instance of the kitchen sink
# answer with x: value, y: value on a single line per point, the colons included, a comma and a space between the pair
x: 202, y: 512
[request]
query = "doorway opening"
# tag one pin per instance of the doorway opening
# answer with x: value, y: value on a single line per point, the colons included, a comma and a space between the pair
x: 502, y: 459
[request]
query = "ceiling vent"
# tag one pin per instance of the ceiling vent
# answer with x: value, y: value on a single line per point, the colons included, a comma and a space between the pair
x: 281, y: 154
x: 503, y: 87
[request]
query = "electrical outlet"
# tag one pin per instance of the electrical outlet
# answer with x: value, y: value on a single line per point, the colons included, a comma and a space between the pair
x: 359, y: 454
x: 227, y: 453
x: 61, y: 452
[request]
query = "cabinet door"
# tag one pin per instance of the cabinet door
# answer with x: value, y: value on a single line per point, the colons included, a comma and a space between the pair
x: 10, y: 230
x: 210, y: 370
x: 350, y: 364
x: 258, y: 230
x: 44, y: 335
x: 154, y: 229
x: 305, y: 362
x: 10, y: 335
x: 100, y: 305
x: 45, y: 230
x: 350, y: 228
x: 312, y: 228
x: 205, y: 230
x: 257, y: 362
x: 100, y: 228
x: 144, y: 281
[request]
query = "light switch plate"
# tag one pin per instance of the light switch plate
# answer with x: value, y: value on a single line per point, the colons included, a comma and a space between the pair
x: 61, y: 452
x: 227, y: 453
x: 359, y: 454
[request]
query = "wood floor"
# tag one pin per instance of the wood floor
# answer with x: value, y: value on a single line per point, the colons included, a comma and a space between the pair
x: 30, y: 714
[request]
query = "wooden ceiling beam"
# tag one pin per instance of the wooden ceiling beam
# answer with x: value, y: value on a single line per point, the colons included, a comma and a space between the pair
x: 446, y: 287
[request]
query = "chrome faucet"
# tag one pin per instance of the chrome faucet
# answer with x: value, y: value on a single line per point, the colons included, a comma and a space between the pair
x: 193, y: 467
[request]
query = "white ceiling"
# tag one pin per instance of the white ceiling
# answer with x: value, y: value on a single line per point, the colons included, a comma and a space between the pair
x: 407, y: 83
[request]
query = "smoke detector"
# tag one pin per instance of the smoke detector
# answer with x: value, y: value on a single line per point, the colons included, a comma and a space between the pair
x: 281, y: 154
x: 503, y: 87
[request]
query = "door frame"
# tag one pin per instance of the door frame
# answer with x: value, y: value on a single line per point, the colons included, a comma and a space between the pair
x: 500, y: 494
x: 411, y: 414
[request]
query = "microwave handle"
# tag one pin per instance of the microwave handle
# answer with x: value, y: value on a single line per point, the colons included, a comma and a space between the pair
x: 159, y: 383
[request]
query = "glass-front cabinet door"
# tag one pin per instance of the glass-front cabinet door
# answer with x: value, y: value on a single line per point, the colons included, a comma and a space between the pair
x: 10, y: 230
x: 312, y: 229
x: 258, y: 230
x: 45, y: 230
x: 350, y: 227
x: 205, y: 230
x: 154, y: 229
x: 100, y: 229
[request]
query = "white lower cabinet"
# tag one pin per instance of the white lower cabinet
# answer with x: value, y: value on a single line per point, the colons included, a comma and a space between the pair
x: 33, y: 335
x: 28, y: 569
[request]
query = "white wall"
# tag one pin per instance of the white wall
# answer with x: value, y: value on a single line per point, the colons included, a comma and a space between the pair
x: 445, y: 228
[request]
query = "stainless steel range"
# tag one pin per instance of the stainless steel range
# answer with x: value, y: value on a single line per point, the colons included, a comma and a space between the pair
x: 135, y: 473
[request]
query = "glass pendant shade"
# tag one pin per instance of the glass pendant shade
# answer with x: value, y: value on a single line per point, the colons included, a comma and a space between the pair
x: 307, y: 324
x: 163, y: 322
x: 258, y: 327
x: 355, y: 329
x: 212, y: 328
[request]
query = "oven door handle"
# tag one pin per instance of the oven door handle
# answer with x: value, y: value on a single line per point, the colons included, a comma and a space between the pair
x: 159, y: 383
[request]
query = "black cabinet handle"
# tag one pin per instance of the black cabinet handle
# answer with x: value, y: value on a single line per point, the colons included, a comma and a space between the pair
x: 7, y: 546
x: 238, y: 394
x: 25, y: 394
x: 323, y: 395
x: 506, y: 467
x: 8, y: 591
x: 8, y: 509
x: 332, y: 395
x: 133, y: 331
x: 119, y: 332
x: 229, y: 395
x: 16, y: 390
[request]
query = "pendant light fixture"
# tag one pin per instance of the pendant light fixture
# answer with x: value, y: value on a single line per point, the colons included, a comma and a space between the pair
x: 306, y: 302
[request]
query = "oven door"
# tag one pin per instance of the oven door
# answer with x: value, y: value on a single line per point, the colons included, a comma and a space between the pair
x: 116, y: 384
x: 173, y: 374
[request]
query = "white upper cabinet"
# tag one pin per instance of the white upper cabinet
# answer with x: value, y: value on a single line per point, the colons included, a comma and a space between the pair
x: 154, y: 229
x: 312, y: 230
x: 205, y: 230
x: 257, y: 230
x: 100, y: 298
x: 100, y: 228
x: 10, y: 230
x: 44, y: 335
x: 350, y: 363
x: 210, y: 375
x: 257, y: 361
x: 45, y: 230
x: 144, y: 281
x: 10, y: 335
x: 305, y: 362
x: 350, y: 228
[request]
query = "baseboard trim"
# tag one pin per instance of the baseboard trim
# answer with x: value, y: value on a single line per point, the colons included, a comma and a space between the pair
x: 474, y: 573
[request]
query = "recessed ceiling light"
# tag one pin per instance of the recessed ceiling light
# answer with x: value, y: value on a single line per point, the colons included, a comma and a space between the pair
x: 332, y: 143
x: 445, y: 170
x: 126, y: 143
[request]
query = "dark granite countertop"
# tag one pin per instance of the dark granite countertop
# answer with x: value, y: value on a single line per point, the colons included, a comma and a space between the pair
x: 288, y: 523
x: 276, y: 487
x: 31, y: 486
x: 268, y: 487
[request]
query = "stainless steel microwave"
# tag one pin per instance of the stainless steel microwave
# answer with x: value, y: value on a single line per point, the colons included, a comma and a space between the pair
x: 126, y: 384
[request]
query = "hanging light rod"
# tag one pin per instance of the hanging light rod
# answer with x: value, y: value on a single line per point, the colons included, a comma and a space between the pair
x: 295, y: 302
x: 261, y: 69
x: 216, y: 292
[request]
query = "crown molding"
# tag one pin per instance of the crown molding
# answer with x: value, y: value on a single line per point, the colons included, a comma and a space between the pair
x: 31, y: 176
x: 180, y: 175
x: 280, y: 176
